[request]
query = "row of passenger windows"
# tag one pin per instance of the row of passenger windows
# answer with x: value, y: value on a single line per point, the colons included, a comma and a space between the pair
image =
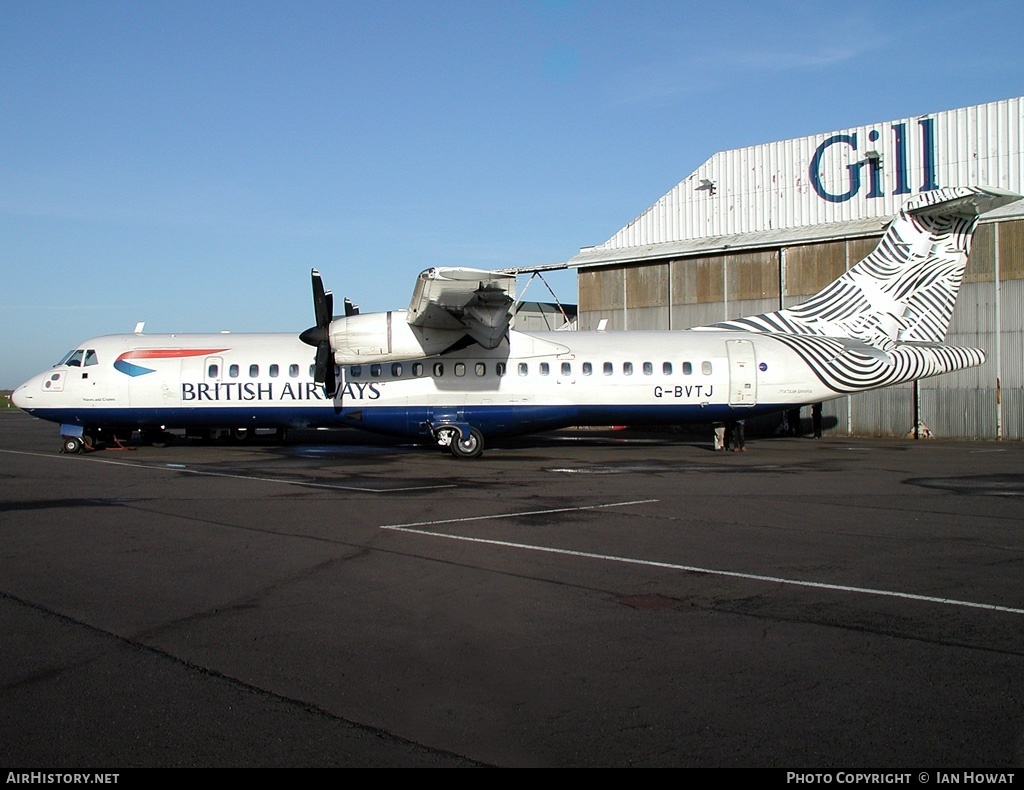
x: 479, y: 369
x: 83, y: 357
x: 234, y: 371
x: 437, y: 369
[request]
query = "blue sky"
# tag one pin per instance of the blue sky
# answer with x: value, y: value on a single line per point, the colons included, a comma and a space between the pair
x: 187, y: 163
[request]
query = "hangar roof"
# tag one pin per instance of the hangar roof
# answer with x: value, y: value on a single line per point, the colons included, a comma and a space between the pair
x: 833, y: 185
x: 600, y: 256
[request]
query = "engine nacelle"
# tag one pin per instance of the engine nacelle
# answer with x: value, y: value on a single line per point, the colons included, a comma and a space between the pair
x: 386, y: 337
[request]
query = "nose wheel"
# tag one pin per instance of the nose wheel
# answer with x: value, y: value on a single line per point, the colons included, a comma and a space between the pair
x: 72, y: 445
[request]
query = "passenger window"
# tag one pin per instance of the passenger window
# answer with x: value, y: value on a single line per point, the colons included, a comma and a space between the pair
x: 480, y: 368
x: 438, y: 369
x: 233, y: 371
x: 293, y: 371
x: 666, y: 368
x: 523, y: 368
x: 608, y: 368
x: 417, y: 369
x: 460, y: 369
x: 544, y: 368
x: 499, y: 369
x: 587, y: 368
x: 687, y: 369
x: 375, y: 371
x: 274, y: 370
x: 396, y: 370
x: 705, y: 368
x: 254, y: 371
x: 355, y: 371
x: 648, y: 368
x: 90, y: 358
x: 566, y: 369
x: 312, y: 370
x: 627, y: 368
x: 213, y: 371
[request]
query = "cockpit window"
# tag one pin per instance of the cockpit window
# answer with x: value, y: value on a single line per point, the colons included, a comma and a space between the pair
x: 90, y: 357
x: 75, y: 359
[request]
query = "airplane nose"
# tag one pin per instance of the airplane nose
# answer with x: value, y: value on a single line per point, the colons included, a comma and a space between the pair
x: 19, y: 396
x: 24, y: 396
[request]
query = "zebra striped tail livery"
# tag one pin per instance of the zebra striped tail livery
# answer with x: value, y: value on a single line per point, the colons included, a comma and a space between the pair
x: 883, y: 321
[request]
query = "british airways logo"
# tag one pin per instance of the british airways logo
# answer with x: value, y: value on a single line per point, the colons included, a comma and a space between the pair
x: 868, y: 171
x: 126, y: 362
x: 219, y: 391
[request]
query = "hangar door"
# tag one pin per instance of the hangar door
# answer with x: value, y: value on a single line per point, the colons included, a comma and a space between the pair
x: 742, y: 373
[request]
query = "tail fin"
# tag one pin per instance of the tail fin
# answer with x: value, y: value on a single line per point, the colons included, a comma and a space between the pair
x: 905, y: 290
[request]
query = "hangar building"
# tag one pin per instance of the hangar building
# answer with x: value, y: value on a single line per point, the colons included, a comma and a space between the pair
x: 759, y: 228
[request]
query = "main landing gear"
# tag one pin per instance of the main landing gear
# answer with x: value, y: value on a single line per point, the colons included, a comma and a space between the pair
x: 462, y: 443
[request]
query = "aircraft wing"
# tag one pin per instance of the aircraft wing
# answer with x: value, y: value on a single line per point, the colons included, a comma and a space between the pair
x: 474, y: 300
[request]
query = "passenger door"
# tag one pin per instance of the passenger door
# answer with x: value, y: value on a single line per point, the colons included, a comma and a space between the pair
x: 742, y: 373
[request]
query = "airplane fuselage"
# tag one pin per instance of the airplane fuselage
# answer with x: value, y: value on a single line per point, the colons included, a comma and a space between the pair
x: 532, y: 382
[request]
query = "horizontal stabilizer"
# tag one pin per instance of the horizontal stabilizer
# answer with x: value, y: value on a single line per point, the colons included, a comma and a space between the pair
x: 845, y: 365
x: 977, y: 201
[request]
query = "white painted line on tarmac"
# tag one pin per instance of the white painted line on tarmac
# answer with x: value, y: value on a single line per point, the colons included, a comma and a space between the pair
x: 412, y: 528
x: 409, y: 527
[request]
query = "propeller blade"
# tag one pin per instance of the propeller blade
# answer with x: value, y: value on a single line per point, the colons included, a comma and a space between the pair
x: 330, y: 382
x: 323, y: 368
x: 320, y: 335
x: 323, y: 301
x: 351, y: 309
x: 321, y: 363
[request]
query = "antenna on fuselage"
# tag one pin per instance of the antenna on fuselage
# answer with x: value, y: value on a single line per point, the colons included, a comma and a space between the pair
x: 139, y: 327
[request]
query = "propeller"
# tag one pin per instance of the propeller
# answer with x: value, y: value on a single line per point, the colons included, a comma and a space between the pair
x: 320, y: 335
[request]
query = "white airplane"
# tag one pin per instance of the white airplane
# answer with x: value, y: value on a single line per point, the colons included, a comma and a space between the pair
x: 451, y: 371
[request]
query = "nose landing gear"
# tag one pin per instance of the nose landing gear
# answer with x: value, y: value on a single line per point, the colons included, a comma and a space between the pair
x: 72, y: 444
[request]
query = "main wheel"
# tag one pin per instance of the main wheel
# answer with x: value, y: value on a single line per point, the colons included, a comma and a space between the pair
x: 468, y: 446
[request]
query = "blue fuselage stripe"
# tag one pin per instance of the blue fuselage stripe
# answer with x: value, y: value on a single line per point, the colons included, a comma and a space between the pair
x: 490, y: 420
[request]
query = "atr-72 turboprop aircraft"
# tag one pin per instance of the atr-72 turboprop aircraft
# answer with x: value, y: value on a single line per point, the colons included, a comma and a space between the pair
x: 450, y: 370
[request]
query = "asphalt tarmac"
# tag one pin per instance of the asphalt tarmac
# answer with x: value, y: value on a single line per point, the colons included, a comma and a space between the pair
x: 575, y: 599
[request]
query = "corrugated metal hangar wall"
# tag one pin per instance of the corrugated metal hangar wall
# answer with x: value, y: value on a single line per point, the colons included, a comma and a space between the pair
x: 765, y: 227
